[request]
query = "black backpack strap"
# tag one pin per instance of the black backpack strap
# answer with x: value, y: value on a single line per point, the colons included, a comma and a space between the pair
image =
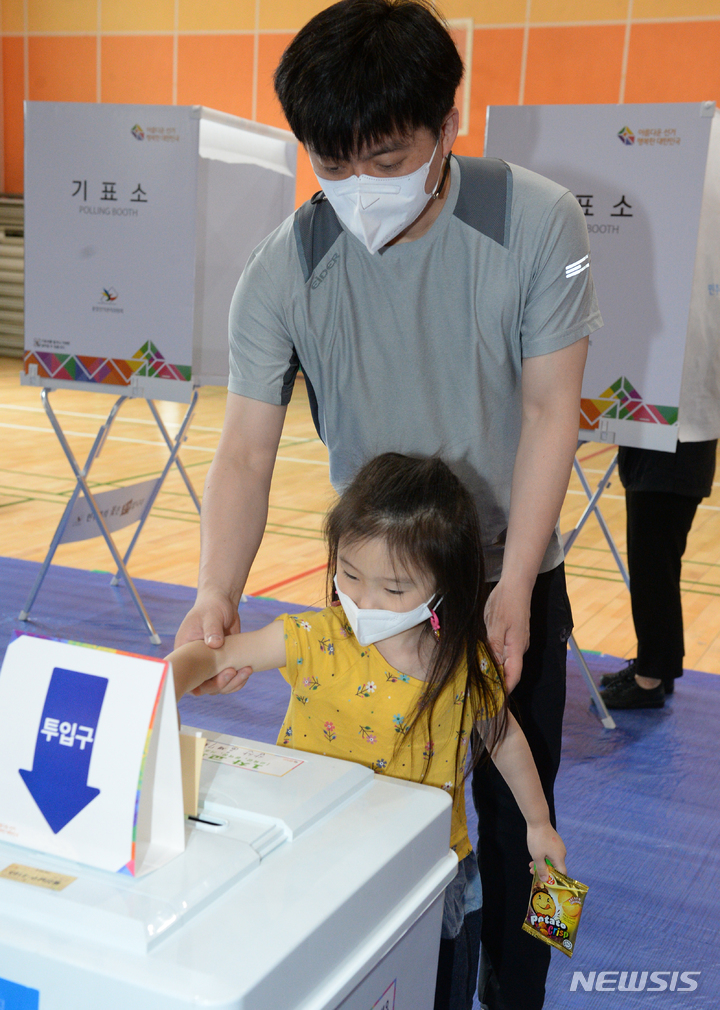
x: 485, y: 198
x: 316, y: 230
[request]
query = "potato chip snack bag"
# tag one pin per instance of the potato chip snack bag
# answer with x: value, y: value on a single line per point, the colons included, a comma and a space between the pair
x: 554, y: 910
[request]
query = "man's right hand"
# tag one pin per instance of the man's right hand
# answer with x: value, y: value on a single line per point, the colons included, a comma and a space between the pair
x: 234, y: 512
x: 212, y: 618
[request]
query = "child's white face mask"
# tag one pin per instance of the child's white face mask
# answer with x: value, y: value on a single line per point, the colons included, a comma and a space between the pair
x: 376, y: 210
x: 372, y: 626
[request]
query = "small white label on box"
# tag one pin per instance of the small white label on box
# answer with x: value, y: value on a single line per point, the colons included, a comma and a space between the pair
x: 251, y: 760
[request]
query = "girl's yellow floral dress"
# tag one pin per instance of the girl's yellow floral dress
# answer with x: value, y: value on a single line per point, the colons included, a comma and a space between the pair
x: 348, y: 703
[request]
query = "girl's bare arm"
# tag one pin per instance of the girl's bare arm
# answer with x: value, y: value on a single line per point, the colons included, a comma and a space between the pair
x: 194, y: 663
x: 514, y: 761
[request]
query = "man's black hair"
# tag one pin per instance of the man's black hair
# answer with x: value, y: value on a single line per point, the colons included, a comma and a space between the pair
x: 365, y: 70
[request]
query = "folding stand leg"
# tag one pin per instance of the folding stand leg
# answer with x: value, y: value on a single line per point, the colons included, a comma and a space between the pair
x: 181, y: 435
x: 82, y: 485
x: 173, y: 459
x: 593, y: 499
x: 605, y: 717
x: 59, y: 532
x: 179, y: 439
x: 591, y: 508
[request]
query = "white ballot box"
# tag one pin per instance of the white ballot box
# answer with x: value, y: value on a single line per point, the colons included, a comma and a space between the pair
x: 138, y: 222
x: 306, y: 883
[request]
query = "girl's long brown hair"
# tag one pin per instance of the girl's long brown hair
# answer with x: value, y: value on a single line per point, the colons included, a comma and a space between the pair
x: 429, y: 522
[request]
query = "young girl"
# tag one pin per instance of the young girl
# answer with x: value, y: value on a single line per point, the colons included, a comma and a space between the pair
x: 398, y: 672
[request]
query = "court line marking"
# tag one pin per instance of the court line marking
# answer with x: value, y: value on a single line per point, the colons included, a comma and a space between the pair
x: 143, y: 441
x: 141, y: 420
x: 292, y: 578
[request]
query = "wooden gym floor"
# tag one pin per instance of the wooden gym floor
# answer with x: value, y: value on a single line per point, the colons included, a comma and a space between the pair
x: 36, y: 480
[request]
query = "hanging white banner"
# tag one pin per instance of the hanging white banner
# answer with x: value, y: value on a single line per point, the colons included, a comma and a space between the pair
x: 119, y: 507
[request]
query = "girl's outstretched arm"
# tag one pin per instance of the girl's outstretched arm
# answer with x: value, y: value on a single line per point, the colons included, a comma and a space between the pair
x: 194, y: 663
x: 513, y: 760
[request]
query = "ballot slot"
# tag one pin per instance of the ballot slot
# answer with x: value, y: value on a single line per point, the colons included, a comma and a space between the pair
x: 204, y: 824
x: 269, y: 796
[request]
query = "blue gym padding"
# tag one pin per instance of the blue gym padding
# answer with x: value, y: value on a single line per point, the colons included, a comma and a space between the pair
x: 638, y: 806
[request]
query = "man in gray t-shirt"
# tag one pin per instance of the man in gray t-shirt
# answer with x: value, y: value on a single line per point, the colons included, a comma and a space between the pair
x: 429, y: 335
x: 437, y: 305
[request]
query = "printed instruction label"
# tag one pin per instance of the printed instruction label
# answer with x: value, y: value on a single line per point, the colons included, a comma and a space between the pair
x: 387, y: 1000
x: 251, y: 760
x: 38, y: 878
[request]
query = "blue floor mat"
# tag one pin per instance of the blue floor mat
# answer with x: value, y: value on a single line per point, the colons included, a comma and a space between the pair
x: 638, y: 806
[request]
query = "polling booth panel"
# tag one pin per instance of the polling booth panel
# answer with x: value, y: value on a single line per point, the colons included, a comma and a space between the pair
x: 138, y: 222
x: 647, y: 178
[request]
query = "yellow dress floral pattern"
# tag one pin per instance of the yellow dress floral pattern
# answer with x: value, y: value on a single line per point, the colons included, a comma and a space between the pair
x: 347, y: 703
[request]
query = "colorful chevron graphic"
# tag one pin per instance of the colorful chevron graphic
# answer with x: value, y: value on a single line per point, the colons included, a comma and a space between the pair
x: 622, y: 401
x: 147, y: 361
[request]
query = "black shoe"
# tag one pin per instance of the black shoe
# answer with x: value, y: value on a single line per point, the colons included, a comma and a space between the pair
x: 627, y: 673
x: 629, y: 694
x: 613, y: 680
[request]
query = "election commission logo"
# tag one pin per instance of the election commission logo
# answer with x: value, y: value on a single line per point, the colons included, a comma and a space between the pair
x: 626, y: 136
x: 107, y: 303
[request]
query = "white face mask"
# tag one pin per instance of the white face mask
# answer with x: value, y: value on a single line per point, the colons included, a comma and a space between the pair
x: 376, y: 210
x: 372, y: 626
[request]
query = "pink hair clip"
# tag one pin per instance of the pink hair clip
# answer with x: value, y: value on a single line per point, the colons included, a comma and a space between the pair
x: 435, y: 623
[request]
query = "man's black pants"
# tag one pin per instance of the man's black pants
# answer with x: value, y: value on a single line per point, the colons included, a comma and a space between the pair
x: 515, y: 964
x: 658, y: 524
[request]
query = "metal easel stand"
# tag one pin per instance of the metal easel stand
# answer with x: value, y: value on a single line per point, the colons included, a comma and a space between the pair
x: 593, y: 508
x: 173, y: 459
x: 81, y: 485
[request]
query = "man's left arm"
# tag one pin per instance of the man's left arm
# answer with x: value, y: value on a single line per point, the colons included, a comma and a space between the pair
x: 551, y: 385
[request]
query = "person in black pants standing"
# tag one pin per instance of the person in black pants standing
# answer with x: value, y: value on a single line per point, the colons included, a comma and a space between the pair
x: 662, y: 493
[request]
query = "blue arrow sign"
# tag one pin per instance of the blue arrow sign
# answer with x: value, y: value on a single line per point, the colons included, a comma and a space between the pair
x: 58, y: 780
x: 18, y: 997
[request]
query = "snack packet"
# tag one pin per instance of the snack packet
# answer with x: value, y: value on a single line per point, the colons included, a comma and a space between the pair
x: 554, y: 910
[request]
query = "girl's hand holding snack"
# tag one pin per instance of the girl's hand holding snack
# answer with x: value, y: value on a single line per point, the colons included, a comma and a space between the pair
x: 545, y: 845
